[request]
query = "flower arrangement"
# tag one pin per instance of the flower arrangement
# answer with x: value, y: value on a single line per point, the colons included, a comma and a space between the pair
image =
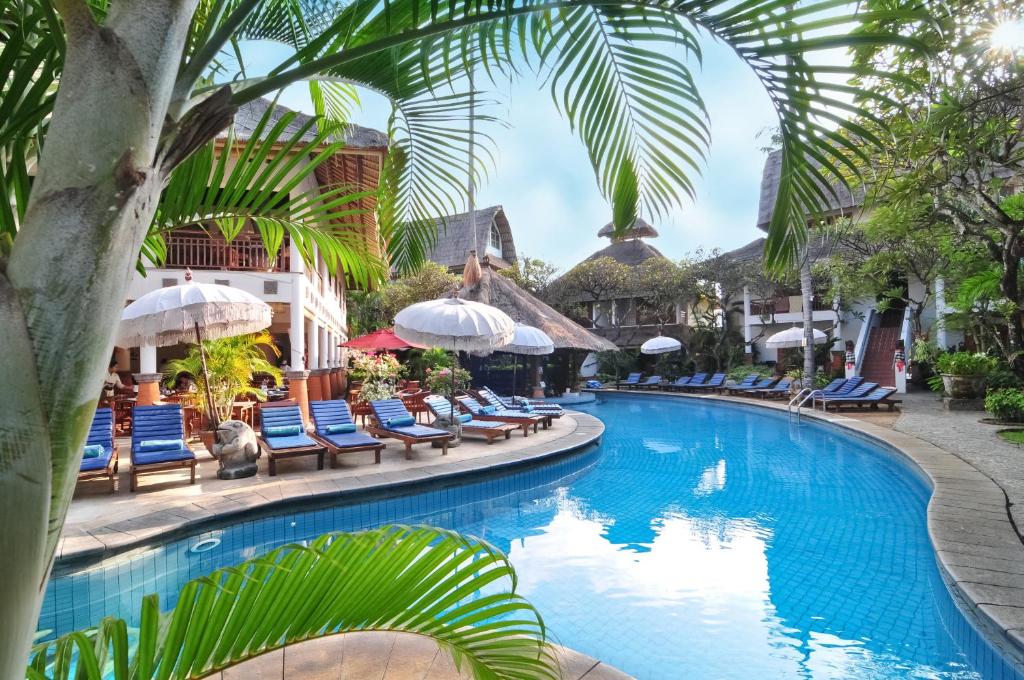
x: 378, y: 372
x: 439, y: 380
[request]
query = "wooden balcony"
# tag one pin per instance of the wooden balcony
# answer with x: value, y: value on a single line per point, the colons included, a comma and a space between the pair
x: 199, y: 250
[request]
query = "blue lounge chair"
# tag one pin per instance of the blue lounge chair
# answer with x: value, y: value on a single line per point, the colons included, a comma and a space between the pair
x: 713, y: 383
x: 678, y: 383
x: 335, y: 429
x: 748, y: 381
x: 846, y: 388
x: 491, y: 397
x: 879, y: 395
x: 283, y: 435
x: 158, y: 442
x: 762, y: 384
x: 490, y: 429
x: 833, y: 386
x: 652, y: 382
x: 519, y: 418
x: 631, y: 379
x: 781, y: 389
x: 697, y: 379
x: 100, y: 456
x: 392, y: 419
x: 855, y: 393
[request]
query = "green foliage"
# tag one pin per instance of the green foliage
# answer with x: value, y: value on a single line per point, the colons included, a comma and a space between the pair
x: 965, y: 363
x: 379, y: 374
x: 738, y: 373
x: 232, y: 364
x: 617, y: 363
x: 262, y: 186
x: 532, y: 275
x: 1006, y: 404
x: 440, y: 380
x: 456, y: 590
x: 422, y: 360
x: 377, y: 309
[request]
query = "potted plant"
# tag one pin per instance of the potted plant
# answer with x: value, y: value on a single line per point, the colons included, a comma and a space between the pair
x: 441, y: 381
x: 962, y: 375
x: 231, y: 364
x: 378, y: 374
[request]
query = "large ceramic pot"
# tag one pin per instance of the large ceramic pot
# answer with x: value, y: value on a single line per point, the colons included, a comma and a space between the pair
x: 455, y: 428
x: 964, y: 386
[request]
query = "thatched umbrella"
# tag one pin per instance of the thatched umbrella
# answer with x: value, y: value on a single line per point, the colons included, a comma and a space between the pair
x: 483, y: 284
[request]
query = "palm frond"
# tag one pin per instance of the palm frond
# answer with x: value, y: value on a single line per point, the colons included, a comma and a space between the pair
x: 269, y: 182
x: 456, y: 590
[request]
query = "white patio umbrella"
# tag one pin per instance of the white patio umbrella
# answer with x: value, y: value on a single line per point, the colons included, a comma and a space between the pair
x: 528, y: 341
x: 460, y: 324
x: 793, y: 337
x: 188, y: 313
x: 660, y: 344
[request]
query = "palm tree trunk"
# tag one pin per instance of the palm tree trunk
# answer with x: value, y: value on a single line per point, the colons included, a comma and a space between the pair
x: 807, y: 293
x: 94, y: 196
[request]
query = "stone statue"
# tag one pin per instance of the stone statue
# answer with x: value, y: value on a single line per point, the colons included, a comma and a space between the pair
x: 236, y: 450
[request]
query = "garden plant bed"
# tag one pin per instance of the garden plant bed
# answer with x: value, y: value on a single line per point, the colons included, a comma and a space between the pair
x: 1013, y: 435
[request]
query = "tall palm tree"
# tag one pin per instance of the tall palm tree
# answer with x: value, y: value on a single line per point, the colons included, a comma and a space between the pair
x: 102, y: 102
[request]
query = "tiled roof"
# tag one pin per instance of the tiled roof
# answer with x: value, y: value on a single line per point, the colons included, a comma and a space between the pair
x: 819, y: 249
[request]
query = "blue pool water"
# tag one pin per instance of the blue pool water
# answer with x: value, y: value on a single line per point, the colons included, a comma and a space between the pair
x: 698, y: 541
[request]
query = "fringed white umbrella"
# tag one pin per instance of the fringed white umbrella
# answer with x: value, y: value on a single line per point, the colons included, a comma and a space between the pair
x: 660, y: 344
x: 793, y: 337
x: 528, y: 341
x: 460, y: 324
x: 188, y: 313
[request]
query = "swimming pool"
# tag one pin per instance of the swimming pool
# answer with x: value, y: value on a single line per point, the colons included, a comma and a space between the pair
x: 700, y: 540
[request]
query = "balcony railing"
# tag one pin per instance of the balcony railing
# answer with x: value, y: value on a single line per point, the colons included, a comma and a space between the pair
x: 200, y: 251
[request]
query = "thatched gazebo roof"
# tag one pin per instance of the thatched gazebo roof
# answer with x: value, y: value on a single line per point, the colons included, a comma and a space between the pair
x: 501, y: 292
x: 639, y: 229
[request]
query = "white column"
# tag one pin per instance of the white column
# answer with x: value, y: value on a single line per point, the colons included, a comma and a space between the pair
x: 314, y: 344
x: 147, y: 359
x: 331, y: 342
x: 325, y: 351
x: 940, y: 313
x: 748, y: 334
x: 297, y: 323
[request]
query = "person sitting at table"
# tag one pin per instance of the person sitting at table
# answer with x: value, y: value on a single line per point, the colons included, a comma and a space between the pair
x: 112, y: 382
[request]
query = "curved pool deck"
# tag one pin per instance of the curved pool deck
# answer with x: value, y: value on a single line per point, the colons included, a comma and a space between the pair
x: 100, y: 525
x: 979, y: 549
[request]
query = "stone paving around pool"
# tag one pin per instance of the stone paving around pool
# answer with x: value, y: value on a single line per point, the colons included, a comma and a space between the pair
x: 387, y: 656
x: 100, y: 523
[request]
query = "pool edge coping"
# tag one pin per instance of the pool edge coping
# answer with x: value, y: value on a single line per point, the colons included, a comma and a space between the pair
x: 103, y: 541
x: 968, y: 521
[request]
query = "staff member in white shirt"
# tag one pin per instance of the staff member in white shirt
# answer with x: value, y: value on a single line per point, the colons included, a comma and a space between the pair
x: 112, y: 382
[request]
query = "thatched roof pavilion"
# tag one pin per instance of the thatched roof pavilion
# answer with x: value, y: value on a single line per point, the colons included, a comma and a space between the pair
x: 500, y: 291
x: 639, y: 229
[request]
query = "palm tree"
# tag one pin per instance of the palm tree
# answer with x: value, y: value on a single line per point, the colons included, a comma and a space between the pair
x: 231, y: 364
x: 104, y: 103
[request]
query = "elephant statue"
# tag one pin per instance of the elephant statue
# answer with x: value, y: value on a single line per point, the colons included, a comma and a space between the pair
x: 236, y: 450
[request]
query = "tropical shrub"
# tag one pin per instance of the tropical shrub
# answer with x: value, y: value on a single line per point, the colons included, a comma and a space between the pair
x: 439, y: 381
x: 968, y: 364
x: 1006, y: 404
x: 231, y: 364
x: 422, y: 360
x: 418, y: 580
x: 738, y: 373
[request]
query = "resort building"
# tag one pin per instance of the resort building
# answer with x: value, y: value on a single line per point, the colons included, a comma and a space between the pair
x: 875, y: 335
x: 489, y: 233
x: 623, y: 319
x: 308, y: 302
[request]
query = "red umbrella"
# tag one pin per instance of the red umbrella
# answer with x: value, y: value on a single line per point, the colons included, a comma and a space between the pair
x: 383, y: 340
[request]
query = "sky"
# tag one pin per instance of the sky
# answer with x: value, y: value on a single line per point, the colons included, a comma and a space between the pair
x: 547, y: 187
